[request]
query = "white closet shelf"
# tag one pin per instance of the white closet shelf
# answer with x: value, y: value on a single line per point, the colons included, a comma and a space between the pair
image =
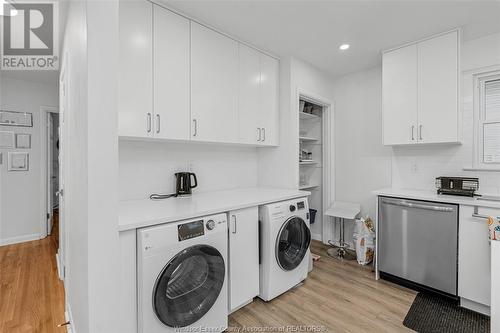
x: 307, y: 162
x: 308, y: 186
x: 305, y: 138
x: 304, y: 115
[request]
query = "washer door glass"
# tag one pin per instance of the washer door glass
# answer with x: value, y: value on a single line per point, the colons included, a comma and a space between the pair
x: 188, y: 286
x: 292, y: 243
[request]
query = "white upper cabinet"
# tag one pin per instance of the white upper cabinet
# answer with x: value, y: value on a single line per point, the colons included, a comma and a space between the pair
x: 135, y: 84
x: 180, y: 80
x: 420, y: 92
x: 171, y: 75
x: 269, y: 100
x: 214, y: 86
x: 249, y: 104
x: 399, y: 90
x: 258, y: 97
x: 438, y: 89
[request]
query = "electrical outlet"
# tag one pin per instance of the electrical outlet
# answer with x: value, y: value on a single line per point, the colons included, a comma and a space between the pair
x: 414, y: 167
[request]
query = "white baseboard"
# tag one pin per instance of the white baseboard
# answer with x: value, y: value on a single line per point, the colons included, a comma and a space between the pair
x: 474, y: 306
x: 59, y: 267
x: 317, y: 237
x: 19, y: 239
x: 69, y: 317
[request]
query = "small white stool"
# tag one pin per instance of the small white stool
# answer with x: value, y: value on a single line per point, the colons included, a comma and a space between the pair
x: 341, y: 211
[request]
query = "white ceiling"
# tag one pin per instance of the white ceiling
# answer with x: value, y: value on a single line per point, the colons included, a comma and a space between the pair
x: 313, y: 30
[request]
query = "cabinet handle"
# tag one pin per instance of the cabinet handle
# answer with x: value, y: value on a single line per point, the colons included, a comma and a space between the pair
x: 149, y: 122
x: 412, y: 130
x: 234, y: 224
x: 480, y: 216
x: 420, y: 135
x: 263, y: 134
x: 195, y: 123
x: 158, y: 123
x: 259, y: 135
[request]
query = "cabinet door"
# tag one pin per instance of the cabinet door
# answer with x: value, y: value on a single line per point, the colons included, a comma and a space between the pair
x: 135, y: 84
x: 171, y: 75
x: 243, y: 256
x: 438, y: 89
x: 249, y: 110
x: 269, y: 99
x: 474, y: 267
x: 214, y: 86
x: 399, y: 95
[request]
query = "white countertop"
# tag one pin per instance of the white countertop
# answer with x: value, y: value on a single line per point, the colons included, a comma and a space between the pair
x: 141, y: 213
x: 433, y: 196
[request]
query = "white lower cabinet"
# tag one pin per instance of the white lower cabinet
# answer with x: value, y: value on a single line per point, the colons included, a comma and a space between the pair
x: 243, y: 256
x: 474, y: 254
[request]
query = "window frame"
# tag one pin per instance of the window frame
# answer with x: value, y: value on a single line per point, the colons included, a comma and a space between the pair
x: 479, y: 120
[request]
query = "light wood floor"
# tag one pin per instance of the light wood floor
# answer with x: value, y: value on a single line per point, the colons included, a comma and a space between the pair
x: 31, y: 294
x: 336, y: 297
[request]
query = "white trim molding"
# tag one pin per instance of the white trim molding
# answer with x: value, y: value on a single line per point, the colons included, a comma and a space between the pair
x: 20, y: 239
x: 328, y: 162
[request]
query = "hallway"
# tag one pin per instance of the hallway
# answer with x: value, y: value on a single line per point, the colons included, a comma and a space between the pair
x: 31, y: 294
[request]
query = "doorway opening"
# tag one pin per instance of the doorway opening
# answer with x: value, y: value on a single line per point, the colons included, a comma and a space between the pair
x: 50, y: 172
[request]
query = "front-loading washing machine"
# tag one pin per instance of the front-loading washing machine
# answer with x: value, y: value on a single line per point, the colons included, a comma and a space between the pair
x: 182, y: 276
x: 284, y: 246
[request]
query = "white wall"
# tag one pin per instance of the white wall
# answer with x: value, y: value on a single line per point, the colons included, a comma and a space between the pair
x: 363, y: 164
x: 21, y: 193
x: 149, y: 167
x: 104, y: 246
x: 74, y: 214
x: 278, y: 167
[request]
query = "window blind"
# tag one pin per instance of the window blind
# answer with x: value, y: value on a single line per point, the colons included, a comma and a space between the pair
x: 492, y: 100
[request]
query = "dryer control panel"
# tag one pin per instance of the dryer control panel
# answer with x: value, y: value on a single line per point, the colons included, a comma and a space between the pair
x: 190, y: 230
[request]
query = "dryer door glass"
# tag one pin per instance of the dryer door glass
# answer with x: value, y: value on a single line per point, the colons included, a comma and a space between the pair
x: 292, y: 243
x: 188, y: 286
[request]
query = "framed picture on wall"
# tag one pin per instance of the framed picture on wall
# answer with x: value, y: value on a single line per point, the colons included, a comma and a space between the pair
x: 14, y: 118
x: 18, y: 161
x: 6, y: 139
x: 23, y: 140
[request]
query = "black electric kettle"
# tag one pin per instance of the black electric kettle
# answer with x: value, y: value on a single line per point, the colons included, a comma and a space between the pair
x: 183, y: 184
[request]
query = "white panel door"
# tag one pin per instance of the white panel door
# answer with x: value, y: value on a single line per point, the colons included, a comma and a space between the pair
x: 269, y: 99
x: 249, y: 110
x: 214, y: 86
x: 243, y: 256
x: 399, y: 95
x: 135, y: 84
x: 438, y: 89
x: 171, y: 75
x: 474, y: 267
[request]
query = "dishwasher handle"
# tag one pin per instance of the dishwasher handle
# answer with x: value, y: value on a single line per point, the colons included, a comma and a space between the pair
x: 419, y: 206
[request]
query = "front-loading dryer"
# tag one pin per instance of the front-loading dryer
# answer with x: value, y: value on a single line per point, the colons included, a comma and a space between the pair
x: 182, y: 276
x: 284, y: 246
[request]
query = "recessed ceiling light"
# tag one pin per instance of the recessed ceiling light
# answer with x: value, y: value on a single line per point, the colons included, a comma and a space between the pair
x: 344, y: 47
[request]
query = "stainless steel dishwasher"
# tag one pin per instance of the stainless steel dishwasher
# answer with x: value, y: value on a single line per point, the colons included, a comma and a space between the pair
x: 418, y: 243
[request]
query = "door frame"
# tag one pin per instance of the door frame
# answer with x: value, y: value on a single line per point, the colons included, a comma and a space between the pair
x: 45, y: 111
x: 328, y: 163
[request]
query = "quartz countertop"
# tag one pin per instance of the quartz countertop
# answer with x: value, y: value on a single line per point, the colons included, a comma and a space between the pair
x: 135, y: 214
x: 433, y: 196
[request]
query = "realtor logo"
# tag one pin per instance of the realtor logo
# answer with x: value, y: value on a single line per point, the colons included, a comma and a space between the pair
x: 29, y: 36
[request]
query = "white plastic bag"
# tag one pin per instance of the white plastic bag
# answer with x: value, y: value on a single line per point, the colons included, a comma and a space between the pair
x: 364, y: 240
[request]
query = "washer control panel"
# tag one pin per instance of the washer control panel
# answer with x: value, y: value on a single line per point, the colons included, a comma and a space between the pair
x: 190, y: 230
